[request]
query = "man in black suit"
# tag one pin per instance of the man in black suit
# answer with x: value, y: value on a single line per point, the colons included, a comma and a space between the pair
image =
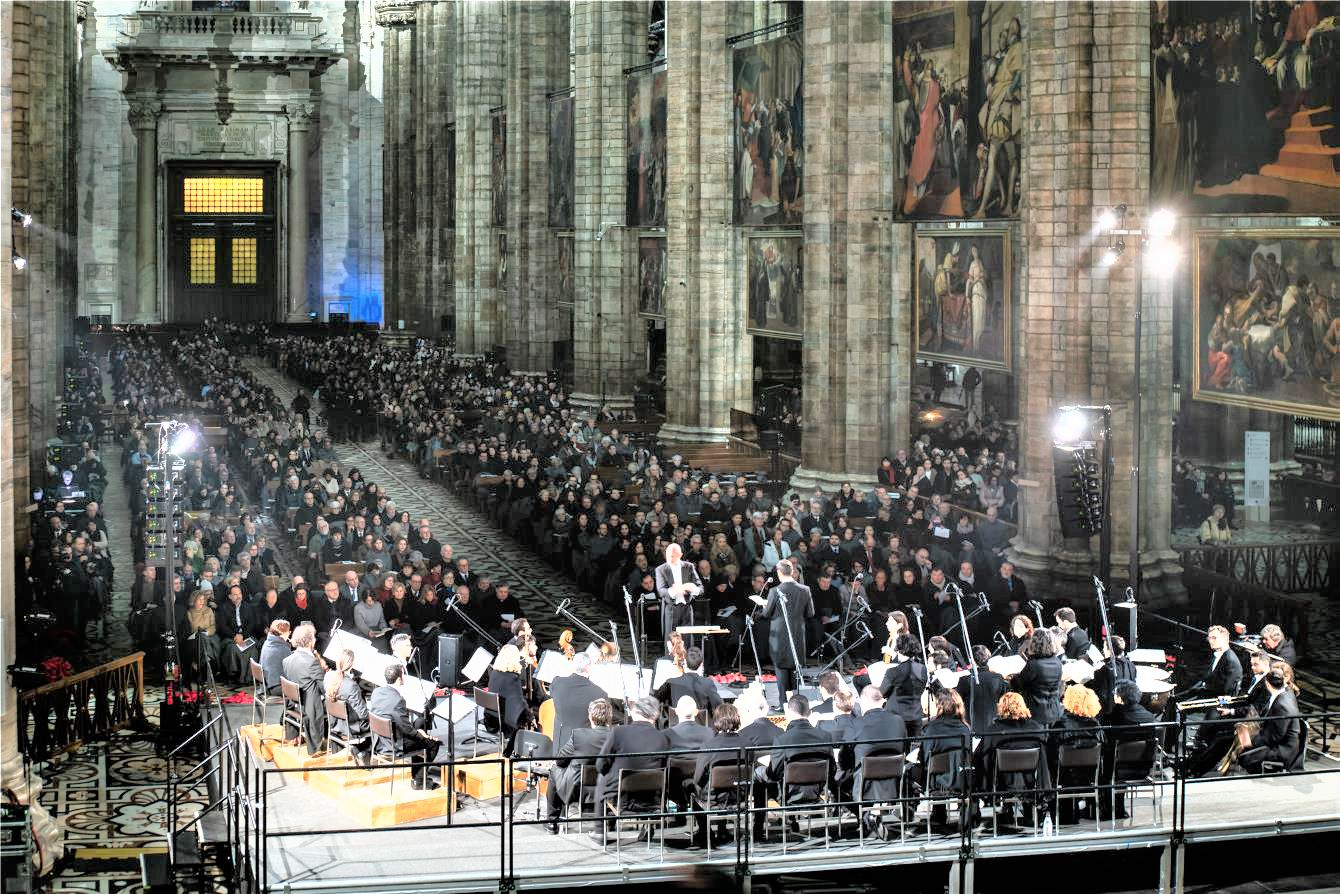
x: 1076, y: 638
x: 1277, y: 644
x: 800, y: 741
x: 234, y: 620
x: 980, y: 695
x: 572, y: 697
x: 329, y: 608
x: 1223, y: 677
x: 633, y: 739
x: 1116, y: 669
x: 420, y: 746
x: 788, y: 611
x: 1281, y: 729
x: 841, y: 715
x: 688, y: 734
x: 677, y: 583
x: 580, y: 750
x: 691, y: 683
x: 756, y: 730
x: 875, y: 732
x: 304, y: 669
x: 1008, y: 595
x: 351, y: 590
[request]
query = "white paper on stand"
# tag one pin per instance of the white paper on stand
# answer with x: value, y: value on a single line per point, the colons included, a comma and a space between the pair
x: 475, y: 667
x: 552, y: 665
x: 1006, y: 665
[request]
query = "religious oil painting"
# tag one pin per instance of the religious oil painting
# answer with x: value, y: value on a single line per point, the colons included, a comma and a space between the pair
x: 1267, y: 319
x: 963, y: 297
x: 769, y: 132
x: 562, y: 172
x: 1244, y: 107
x: 567, y: 291
x: 645, y: 162
x: 498, y: 160
x: 651, y: 276
x: 958, y: 88
x: 775, y: 283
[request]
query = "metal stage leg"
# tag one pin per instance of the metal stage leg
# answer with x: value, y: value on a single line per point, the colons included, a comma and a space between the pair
x: 960, y: 876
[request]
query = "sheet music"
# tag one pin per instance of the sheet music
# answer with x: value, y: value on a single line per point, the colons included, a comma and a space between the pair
x: 948, y: 678
x: 1147, y: 656
x: 1077, y: 671
x: 613, y: 678
x: 663, y: 670
x: 478, y: 663
x: 877, y: 672
x: 1095, y: 657
x: 593, y: 652
x: 1006, y: 665
x: 371, y: 665
x: 552, y: 666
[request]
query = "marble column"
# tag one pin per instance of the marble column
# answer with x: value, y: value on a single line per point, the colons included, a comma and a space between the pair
x: 299, y: 125
x: 395, y: 17
x: 608, y: 339
x: 857, y: 327
x: 144, y: 121
x: 709, y: 354
x: 478, y: 88
x: 542, y: 27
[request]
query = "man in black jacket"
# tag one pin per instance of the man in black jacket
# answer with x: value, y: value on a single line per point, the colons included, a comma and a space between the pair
x: 688, y: 734
x: 627, y: 748
x: 875, y: 732
x: 573, y: 695
x: 579, y: 751
x: 1116, y: 669
x: 980, y: 695
x: 800, y: 741
x: 234, y: 621
x: 1076, y: 637
x: 691, y: 683
x: 1281, y: 728
x: 788, y: 609
x: 420, y: 746
x: 328, y: 608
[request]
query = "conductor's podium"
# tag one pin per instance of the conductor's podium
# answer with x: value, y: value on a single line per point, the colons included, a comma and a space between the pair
x: 377, y: 797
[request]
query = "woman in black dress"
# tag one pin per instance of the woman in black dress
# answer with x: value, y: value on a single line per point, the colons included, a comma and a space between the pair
x: 1040, y: 680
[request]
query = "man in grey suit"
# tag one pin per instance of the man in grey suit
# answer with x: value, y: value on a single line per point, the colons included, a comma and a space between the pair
x: 677, y: 583
x: 581, y: 749
x: 303, y: 668
x: 789, y: 608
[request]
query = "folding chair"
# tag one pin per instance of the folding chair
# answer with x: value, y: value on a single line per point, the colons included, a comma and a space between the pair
x: 1015, y: 760
x: 292, y: 708
x: 259, y: 693
x: 797, y: 773
x: 939, y: 764
x: 638, y: 790
x: 1132, y: 767
x: 1081, y: 764
x: 728, y: 785
x: 335, y: 710
x: 487, y: 702
x: 880, y: 768
x: 381, y: 728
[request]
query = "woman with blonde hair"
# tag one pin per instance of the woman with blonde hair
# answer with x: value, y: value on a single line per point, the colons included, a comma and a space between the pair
x: 504, y: 681
x: 198, y: 633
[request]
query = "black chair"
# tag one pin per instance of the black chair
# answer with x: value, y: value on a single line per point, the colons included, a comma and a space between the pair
x: 487, y: 702
x: 880, y: 768
x: 1080, y: 764
x: 1299, y: 758
x: 939, y: 764
x: 640, y: 799
x: 1132, y: 772
x: 729, y: 786
x: 1016, y: 760
x: 679, y: 769
x: 292, y: 697
x: 804, y: 774
x: 381, y: 729
x: 586, y: 791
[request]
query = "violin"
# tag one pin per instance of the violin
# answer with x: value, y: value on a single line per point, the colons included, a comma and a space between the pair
x: 565, y: 645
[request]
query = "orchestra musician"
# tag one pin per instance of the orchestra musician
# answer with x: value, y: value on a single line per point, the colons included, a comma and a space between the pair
x: 1278, y: 645
x: 586, y: 743
x: 632, y: 746
x: 1279, y: 736
x: 945, y: 731
x: 340, y: 685
x: 420, y: 746
x: 572, y: 694
x: 690, y: 683
x: 1116, y: 669
x: 1222, y: 678
x: 688, y: 734
x: 1021, y: 631
x: 786, y: 632
x: 876, y: 731
x: 904, y: 683
x: 1040, y: 680
x: 895, y: 624
x: 504, y: 680
x: 756, y: 729
x: 677, y: 583
x: 304, y: 668
x: 982, y: 694
x: 1076, y: 637
x: 800, y: 741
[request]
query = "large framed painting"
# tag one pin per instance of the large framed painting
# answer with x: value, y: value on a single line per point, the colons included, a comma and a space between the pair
x: 651, y: 276
x: 567, y: 291
x: 562, y: 170
x: 769, y: 132
x: 774, y: 284
x: 1266, y: 318
x: 645, y: 164
x: 498, y: 167
x: 1244, y: 104
x: 958, y: 88
x: 963, y: 301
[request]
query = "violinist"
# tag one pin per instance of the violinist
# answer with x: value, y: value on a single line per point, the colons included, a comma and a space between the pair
x: 534, y: 689
x: 896, y: 625
x: 1040, y: 681
x: 505, y: 681
x: 519, y: 628
x: 1020, y: 632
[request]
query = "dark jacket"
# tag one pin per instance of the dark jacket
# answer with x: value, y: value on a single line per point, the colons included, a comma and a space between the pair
x: 800, y: 741
x: 761, y: 733
x: 703, y: 691
x: 707, y: 759
x: 303, y: 669
x: 1280, y: 729
x: 945, y: 734
x: 387, y: 702
x: 799, y: 609
x: 507, y: 686
x: 1008, y: 735
x: 1223, y: 678
x: 629, y: 739
x: 1040, y: 685
x: 581, y: 749
x: 688, y: 736
x: 1105, y: 679
x: 980, y: 698
x: 873, y: 733
x: 273, y: 653
x: 902, y: 688
x: 325, y: 613
x: 1076, y: 643
x: 572, y: 696
x: 352, y: 695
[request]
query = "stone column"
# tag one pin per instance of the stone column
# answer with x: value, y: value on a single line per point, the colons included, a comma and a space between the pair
x: 144, y: 121
x: 608, y: 339
x: 853, y: 352
x: 709, y: 353
x: 478, y: 87
x: 299, y: 124
x: 541, y: 27
x: 1088, y: 99
x: 395, y: 17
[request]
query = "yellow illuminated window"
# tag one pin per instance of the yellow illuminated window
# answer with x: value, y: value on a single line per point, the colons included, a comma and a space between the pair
x: 202, y: 262
x: 223, y: 195
x: 244, y: 262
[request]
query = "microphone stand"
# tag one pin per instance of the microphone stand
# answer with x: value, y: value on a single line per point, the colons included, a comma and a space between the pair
x: 967, y: 640
x: 962, y: 622
x: 865, y: 635
x: 921, y: 635
x: 632, y: 630
x: 749, y: 628
x: 483, y: 634
x: 1107, y: 631
x: 623, y: 680
x: 576, y: 622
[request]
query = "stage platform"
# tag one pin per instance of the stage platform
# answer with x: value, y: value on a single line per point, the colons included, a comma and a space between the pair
x: 411, y: 858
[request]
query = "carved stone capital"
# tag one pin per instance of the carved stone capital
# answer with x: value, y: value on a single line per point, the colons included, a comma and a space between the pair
x: 300, y: 115
x: 395, y: 13
x: 82, y: 8
x: 144, y: 113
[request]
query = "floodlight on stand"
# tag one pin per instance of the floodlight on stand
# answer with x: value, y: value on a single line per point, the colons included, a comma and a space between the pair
x: 1071, y: 427
x: 1162, y: 255
x: 1110, y: 218
x: 1161, y: 223
x: 1113, y: 253
x: 182, y: 442
x: 22, y: 218
x: 20, y: 262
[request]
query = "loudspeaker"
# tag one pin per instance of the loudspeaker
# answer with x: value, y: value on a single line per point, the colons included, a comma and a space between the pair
x: 449, y: 660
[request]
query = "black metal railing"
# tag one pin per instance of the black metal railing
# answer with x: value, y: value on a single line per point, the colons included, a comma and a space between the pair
x: 1302, y: 566
x: 1234, y: 600
x: 1316, y: 438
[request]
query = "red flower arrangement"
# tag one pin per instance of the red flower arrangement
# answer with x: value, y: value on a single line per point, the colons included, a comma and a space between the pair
x: 56, y: 668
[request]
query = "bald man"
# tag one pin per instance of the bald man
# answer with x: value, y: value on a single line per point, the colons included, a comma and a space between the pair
x: 677, y: 583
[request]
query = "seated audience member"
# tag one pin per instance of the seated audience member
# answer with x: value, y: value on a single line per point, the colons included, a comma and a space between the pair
x: 581, y: 748
x: 420, y: 746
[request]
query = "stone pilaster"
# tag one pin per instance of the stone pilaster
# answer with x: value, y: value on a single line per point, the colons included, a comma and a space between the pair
x: 1088, y: 99
x: 433, y: 113
x: 396, y: 18
x: 443, y: 289
x: 144, y: 121
x: 607, y: 333
x: 299, y: 125
x: 478, y: 87
x: 709, y: 361
x: 854, y: 356
x: 541, y: 27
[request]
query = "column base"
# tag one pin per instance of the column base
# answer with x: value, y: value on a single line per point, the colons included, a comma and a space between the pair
x: 616, y: 402
x: 672, y: 433
x: 1072, y: 571
x: 48, y: 833
x: 804, y: 481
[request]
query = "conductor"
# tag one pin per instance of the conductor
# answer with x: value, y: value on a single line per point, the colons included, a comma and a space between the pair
x: 789, y: 608
x: 677, y: 582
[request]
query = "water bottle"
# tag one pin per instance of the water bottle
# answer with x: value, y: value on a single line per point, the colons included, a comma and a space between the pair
x: 1047, y: 829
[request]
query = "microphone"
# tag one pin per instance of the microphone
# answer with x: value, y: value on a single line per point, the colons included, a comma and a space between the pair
x: 865, y: 631
x: 865, y: 606
x: 1000, y: 638
x: 561, y: 606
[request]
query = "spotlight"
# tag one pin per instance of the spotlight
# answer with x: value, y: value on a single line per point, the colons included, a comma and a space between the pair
x: 1113, y: 254
x: 20, y: 262
x: 182, y: 442
x: 1107, y: 221
x: 22, y: 218
x: 1163, y: 256
x: 1162, y: 223
x: 1070, y: 427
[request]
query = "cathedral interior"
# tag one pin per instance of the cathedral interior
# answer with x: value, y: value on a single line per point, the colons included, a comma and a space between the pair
x: 1048, y: 287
